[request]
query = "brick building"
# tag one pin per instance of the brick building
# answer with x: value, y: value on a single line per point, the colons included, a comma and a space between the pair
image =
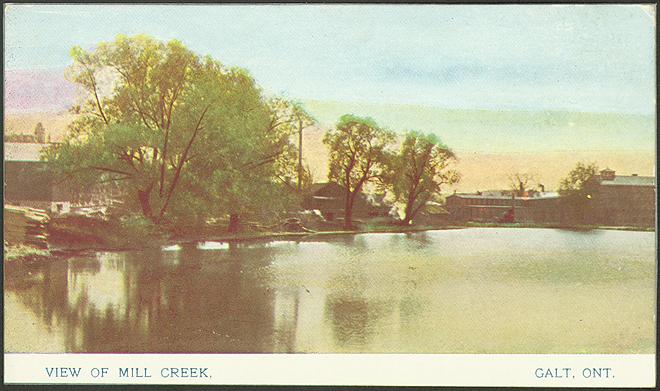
x: 621, y: 200
x: 611, y: 200
x: 502, y: 206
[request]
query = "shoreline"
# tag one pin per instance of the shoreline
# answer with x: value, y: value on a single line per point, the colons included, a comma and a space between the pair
x: 63, y: 250
x: 284, y: 235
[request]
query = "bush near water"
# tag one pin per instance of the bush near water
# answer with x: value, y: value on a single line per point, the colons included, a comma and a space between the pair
x: 25, y: 233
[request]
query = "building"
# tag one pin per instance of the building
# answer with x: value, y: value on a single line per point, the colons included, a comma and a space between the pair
x: 38, y: 137
x: 621, y: 200
x: 330, y: 199
x: 502, y: 206
x: 611, y: 200
x: 29, y: 182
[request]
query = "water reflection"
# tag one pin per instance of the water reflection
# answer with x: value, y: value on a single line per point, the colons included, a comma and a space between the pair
x: 153, y: 301
x: 450, y: 291
x: 352, y: 320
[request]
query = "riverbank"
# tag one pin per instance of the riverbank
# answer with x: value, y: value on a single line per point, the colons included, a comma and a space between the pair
x: 248, y: 236
x: 106, y: 238
x: 24, y: 253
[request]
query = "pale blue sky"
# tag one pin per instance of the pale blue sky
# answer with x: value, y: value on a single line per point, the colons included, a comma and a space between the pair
x: 543, y: 57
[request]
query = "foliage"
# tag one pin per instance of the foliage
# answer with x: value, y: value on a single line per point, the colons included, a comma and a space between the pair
x: 40, y: 132
x: 133, y: 231
x: 287, y: 122
x: 358, y: 152
x: 22, y: 252
x: 576, y: 183
x: 576, y: 190
x: 415, y: 175
x: 184, y: 136
x: 120, y: 231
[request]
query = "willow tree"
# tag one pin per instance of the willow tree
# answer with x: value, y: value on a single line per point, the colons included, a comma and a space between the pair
x: 358, y: 148
x: 417, y: 173
x: 184, y: 136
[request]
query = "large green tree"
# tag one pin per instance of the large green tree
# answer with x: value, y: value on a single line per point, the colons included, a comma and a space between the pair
x: 576, y: 183
x: 417, y: 173
x: 576, y: 190
x: 358, y: 148
x: 184, y: 136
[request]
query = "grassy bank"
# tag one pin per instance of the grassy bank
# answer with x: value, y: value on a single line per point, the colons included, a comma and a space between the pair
x: 85, y: 233
x: 24, y: 253
x: 78, y: 234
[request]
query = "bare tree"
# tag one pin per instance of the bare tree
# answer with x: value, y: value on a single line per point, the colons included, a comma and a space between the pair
x: 521, y: 182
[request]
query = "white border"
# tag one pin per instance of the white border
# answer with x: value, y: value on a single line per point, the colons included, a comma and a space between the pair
x: 628, y: 370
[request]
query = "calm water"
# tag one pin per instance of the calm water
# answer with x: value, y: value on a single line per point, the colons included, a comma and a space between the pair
x: 459, y: 291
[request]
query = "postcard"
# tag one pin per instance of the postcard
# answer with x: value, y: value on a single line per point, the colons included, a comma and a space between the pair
x: 330, y: 194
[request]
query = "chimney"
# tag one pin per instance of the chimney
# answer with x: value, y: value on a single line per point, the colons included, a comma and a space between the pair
x: 607, y: 174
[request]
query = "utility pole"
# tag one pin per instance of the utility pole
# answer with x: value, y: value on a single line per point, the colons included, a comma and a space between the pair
x: 300, y: 166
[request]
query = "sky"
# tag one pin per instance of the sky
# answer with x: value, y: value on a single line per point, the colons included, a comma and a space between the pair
x: 587, y: 58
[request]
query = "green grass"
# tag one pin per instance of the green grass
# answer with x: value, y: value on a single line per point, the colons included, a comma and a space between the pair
x: 22, y: 252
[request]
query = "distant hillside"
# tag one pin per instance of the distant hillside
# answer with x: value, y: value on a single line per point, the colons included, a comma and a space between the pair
x: 40, y: 91
x: 492, y: 145
x: 37, y: 91
x: 505, y: 131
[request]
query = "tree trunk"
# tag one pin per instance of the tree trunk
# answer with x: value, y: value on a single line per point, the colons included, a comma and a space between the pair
x: 410, y: 202
x: 348, y: 211
x: 408, y: 214
x: 143, y: 197
x: 233, y: 223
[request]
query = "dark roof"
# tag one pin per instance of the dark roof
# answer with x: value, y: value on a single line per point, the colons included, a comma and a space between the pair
x: 314, y: 187
x: 326, y: 189
x: 629, y: 180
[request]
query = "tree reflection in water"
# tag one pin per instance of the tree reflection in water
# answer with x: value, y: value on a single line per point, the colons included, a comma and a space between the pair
x: 153, y: 301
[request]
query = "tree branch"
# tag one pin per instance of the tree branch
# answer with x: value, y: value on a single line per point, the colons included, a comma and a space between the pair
x: 92, y: 79
x: 177, y: 172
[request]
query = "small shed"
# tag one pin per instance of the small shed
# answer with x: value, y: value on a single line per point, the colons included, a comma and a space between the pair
x: 330, y: 199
